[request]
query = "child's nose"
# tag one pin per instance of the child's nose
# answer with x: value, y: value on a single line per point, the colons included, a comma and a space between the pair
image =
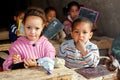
x: 80, y: 34
x: 32, y: 31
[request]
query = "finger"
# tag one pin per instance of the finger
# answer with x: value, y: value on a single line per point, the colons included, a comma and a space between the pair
x: 33, y: 62
x: 26, y: 62
x: 30, y: 62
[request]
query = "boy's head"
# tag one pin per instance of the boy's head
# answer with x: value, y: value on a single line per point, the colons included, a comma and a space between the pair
x: 82, y: 29
x: 19, y: 15
x: 50, y: 13
x: 73, y: 9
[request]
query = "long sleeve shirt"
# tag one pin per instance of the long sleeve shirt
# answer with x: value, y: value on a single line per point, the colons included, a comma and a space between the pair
x: 12, y: 33
x: 74, y: 58
x: 29, y: 50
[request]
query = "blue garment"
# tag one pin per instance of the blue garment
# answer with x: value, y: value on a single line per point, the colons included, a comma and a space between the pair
x: 12, y: 33
x: 116, y: 47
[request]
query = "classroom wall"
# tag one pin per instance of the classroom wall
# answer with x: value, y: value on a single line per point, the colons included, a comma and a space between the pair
x: 108, y: 21
x: 107, y: 24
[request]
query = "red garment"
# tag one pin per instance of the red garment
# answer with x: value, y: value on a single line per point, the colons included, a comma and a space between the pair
x: 67, y: 26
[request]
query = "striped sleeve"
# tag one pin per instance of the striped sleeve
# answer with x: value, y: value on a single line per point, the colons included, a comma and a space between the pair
x: 92, y: 58
x: 13, y: 29
x: 62, y: 50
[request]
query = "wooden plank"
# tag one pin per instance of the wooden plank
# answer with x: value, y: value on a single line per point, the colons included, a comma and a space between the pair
x: 4, y: 47
x: 37, y: 73
x: 102, y: 42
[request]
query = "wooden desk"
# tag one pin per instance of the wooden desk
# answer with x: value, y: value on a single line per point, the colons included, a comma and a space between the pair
x: 4, y: 47
x: 37, y: 73
x: 102, y: 42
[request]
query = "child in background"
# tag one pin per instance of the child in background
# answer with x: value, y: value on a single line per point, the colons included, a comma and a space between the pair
x: 72, y: 11
x: 13, y: 32
x: 33, y: 45
x: 79, y: 51
x: 51, y: 15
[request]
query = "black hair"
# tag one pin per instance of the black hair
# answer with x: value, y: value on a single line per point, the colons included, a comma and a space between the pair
x: 18, y: 12
x: 82, y: 19
x: 70, y: 4
x: 49, y: 9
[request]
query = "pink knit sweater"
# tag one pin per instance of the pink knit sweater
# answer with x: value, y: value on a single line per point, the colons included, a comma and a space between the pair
x: 27, y: 50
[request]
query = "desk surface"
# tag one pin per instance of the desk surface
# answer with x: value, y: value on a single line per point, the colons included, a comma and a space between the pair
x: 4, y: 47
x: 36, y: 73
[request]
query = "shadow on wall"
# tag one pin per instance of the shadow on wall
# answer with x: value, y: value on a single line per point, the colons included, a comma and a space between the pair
x: 7, y: 8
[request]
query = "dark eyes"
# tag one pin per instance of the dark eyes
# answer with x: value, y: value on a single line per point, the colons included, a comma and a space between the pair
x: 35, y: 28
x: 84, y: 32
x: 28, y: 27
x: 76, y: 32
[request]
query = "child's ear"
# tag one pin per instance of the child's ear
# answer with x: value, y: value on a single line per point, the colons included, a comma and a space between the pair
x: 91, y: 34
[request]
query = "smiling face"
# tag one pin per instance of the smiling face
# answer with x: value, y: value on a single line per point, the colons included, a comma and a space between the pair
x: 51, y: 15
x: 81, y: 31
x: 33, y: 27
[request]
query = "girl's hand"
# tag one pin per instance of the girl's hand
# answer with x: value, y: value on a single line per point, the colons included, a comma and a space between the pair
x: 30, y: 63
x: 16, y: 58
x: 80, y: 45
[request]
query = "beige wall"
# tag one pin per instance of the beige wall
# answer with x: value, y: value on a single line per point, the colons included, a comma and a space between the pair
x: 108, y: 21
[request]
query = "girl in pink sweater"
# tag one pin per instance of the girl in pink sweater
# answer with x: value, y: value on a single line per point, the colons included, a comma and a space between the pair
x: 33, y: 45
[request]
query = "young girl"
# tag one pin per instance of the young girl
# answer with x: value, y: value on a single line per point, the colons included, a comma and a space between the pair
x: 80, y: 52
x: 51, y: 15
x: 13, y: 32
x: 73, y: 11
x: 33, y: 45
